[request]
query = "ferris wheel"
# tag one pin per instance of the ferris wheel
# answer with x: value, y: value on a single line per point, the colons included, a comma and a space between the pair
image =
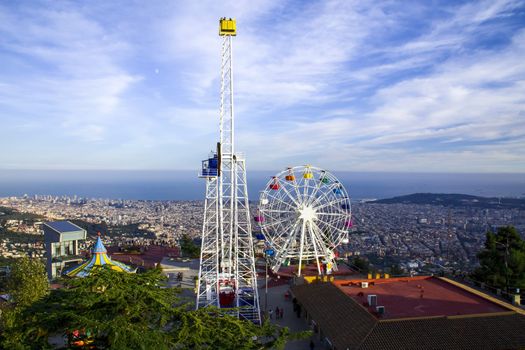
x: 304, y: 213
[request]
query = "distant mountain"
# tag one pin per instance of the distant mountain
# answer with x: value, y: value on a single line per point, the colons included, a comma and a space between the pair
x: 456, y: 200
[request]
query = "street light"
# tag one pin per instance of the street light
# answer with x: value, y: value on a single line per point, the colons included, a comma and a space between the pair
x: 267, y: 253
x: 506, y: 263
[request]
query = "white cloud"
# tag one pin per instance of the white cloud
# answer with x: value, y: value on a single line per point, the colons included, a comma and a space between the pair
x: 355, y: 85
x: 67, y: 73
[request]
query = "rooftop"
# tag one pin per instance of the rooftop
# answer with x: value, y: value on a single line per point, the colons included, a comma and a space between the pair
x: 311, y: 270
x: 411, y: 322
x: 148, y: 256
x: 63, y: 226
x: 418, y: 297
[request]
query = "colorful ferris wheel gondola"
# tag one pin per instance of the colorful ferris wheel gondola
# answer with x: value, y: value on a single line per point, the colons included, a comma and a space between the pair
x: 308, y: 173
x: 289, y: 176
x: 274, y: 184
x: 259, y: 218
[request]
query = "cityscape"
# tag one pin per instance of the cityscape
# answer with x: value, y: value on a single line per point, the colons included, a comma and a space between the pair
x: 354, y: 179
x: 418, y: 237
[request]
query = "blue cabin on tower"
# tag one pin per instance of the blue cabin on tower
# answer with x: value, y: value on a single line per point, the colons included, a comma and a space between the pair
x: 210, y: 166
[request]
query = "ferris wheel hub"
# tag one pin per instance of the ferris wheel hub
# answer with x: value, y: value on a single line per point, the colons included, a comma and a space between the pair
x: 307, y: 213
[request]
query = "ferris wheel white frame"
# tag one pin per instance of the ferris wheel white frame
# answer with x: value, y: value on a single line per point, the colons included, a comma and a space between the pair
x: 305, y: 213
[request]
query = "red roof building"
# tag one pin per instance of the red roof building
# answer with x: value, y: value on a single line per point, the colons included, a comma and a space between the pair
x: 409, y: 313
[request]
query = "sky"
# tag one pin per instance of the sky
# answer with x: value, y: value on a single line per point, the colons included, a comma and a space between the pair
x: 380, y: 86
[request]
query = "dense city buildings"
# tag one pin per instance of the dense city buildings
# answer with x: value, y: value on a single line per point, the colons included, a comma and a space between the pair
x: 416, y: 236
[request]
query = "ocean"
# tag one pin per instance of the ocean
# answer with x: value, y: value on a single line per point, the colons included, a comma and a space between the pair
x: 185, y: 185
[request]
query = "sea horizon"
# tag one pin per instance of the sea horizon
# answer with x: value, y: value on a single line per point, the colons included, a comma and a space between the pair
x: 185, y: 184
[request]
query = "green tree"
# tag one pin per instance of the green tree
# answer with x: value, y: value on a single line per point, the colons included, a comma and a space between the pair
x: 396, y: 270
x: 211, y: 328
x: 502, y: 261
x: 188, y: 247
x: 133, y: 311
x: 27, y: 281
x: 361, y: 264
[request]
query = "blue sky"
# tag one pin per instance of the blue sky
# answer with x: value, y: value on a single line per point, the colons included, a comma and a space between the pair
x: 423, y: 86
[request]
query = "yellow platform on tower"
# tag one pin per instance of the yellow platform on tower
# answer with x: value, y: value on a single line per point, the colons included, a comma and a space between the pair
x: 227, y: 26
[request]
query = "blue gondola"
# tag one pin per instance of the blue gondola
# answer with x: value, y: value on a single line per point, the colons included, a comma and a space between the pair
x: 210, y: 166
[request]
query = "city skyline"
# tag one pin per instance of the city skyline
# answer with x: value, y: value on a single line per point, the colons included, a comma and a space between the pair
x: 349, y: 86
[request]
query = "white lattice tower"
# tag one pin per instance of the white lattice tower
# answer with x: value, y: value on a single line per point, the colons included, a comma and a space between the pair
x: 227, y: 257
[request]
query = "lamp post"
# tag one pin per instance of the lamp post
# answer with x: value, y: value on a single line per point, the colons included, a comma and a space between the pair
x: 267, y: 253
x: 266, y: 287
x: 506, y: 263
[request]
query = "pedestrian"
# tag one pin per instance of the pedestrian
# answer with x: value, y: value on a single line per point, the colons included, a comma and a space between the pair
x: 270, y: 313
x: 281, y: 313
x: 276, y: 312
x: 298, y: 311
x: 312, y: 345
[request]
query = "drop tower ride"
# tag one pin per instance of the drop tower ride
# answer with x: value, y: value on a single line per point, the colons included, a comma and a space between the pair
x: 227, y: 277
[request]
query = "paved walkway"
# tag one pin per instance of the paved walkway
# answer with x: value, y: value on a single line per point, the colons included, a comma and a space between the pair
x: 290, y: 319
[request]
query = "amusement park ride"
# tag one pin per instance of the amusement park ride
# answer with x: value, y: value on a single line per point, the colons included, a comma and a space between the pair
x: 227, y: 277
x: 304, y: 214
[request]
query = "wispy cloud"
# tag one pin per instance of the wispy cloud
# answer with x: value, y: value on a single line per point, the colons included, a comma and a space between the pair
x: 62, y: 69
x: 351, y: 85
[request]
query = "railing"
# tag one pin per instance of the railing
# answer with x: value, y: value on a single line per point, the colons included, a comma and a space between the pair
x: 67, y: 258
x: 209, y: 172
x: 483, y: 286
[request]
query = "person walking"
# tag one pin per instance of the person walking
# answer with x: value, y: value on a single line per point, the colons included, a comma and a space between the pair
x: 281, y: 313
x: 270, y: 313
x: 277, y: 313
x: 312, y: 345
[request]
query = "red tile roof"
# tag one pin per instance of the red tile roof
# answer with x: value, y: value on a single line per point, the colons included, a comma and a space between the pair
x: 348, y: 324
x: 419, y: 297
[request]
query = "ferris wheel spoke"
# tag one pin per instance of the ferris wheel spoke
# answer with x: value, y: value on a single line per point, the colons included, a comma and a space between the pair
x: 332, y: 226
x: 284, y: 248
x: 294, y: 183
x: 319, y: 238
x: 331, y: 217
x: 276, y: 223
x: 325, y: 194
x: 276, y: 211
x: 289, y: 195
x: 332, y: 214
x: 314, y: 243
x: 283, y: 202
x: 316, y: 189
x: 329, y: 250
x: 336, y: 201
x: 305, y: 187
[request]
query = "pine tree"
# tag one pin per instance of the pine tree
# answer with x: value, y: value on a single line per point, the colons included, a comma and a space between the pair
x: 27, y: 281
x: 133, y: 311
x: 502, y: 260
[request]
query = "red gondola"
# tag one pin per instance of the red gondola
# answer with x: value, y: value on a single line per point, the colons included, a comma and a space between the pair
x: 226, y: 293
x: 275, y: 184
